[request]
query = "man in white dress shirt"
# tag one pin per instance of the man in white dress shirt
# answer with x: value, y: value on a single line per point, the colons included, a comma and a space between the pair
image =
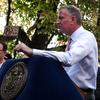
x: 80, y: 59
x: 3, y: 48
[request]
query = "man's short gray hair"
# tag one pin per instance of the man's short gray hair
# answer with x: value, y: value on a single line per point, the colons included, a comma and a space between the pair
x: 74, y: 11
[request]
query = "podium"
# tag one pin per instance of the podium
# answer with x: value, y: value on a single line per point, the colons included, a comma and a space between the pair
x: 36, y: 78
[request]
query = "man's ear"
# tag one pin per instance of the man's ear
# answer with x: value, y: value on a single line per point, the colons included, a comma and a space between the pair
x: 5, y: 54
x: 74, y: 19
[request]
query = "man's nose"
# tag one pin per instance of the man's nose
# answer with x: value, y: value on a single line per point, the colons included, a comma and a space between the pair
x: 57, y: 21
x: 57, y: 24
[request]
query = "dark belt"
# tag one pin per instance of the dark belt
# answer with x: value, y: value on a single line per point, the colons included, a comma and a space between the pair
x: 85, y: 93
x: 88, y: 90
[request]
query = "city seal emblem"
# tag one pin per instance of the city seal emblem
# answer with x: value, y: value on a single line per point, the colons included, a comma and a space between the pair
x: 14, y: 81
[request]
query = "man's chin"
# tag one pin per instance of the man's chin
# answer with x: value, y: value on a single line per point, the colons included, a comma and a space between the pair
x: 61, y: 31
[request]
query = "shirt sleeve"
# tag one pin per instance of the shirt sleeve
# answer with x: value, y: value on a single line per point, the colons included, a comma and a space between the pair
x: 60, y: 56
x: 77, y: 52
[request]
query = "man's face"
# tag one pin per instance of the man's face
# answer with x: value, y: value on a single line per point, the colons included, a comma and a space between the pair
x: 2, y: 53
x: 64, y: 21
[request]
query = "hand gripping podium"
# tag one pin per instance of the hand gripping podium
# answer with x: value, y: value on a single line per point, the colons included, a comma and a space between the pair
x: 36, y: 78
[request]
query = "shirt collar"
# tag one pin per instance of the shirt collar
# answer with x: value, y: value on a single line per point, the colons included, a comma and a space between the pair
x: 76, y: 33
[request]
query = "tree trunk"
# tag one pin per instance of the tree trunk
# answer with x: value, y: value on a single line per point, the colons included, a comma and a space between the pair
x: 9, y: 11
x: 39, y: 41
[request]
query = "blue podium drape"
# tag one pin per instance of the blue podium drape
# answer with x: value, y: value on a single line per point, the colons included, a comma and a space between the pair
x: 46, y: 80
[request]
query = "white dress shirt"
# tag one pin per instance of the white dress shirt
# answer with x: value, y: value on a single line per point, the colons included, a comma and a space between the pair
x: 81, y: 61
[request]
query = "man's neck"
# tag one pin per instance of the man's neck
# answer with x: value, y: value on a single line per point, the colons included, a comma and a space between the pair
x: 74, y: 29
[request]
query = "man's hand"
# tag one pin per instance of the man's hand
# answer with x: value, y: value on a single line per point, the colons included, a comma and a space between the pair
x: 23, y: 48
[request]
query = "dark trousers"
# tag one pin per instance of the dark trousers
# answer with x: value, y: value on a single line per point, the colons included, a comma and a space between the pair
x: 90, y: 96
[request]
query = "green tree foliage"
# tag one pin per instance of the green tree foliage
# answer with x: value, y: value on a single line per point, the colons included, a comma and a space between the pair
x: 39, y: 17
x: 42, y: 13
